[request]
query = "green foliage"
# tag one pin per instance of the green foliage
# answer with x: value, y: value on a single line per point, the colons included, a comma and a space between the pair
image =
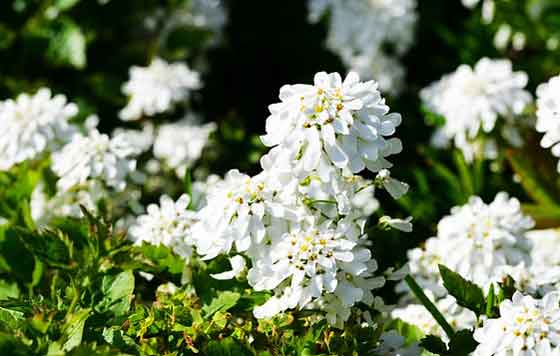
x: 467, y: 294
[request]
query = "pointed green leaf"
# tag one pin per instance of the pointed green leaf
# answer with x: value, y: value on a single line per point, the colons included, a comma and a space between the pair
x: 467, y: 294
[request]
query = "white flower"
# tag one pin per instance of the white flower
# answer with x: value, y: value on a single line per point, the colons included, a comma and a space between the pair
x: 200, y: 191
x: 548, y: 115
x: 238, y: 266
x: 180, y: 144
x: 65, y: 203
x: 474, y: 241
x: 399, y: 224
x: 157, y: 88
x: 168, y: 224
x: 236, y: 213
x: 32, y: 125
x: 394, y: 187
x: 96, y: 156
x: 472, y: 100
x: 332, y: 122
x: 359, y: 30
x: 393, y: 344
x: 526, y: 326
x: 141, y: 139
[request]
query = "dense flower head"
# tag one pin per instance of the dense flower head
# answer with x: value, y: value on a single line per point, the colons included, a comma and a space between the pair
x: 33, y: 124
x: 95, y: 156
x: 166, y: 224
x: 475, y: 241
x: 157, y: 88
x: 472, y: 99
x: 334, y: 122
x: 180, y: 144
x: 301, y: 220
x: 310, y: 262
x: 359, y: 30
x: 526, y: 326
x: 548, y: 115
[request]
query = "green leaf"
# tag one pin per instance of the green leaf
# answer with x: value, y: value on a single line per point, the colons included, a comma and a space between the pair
x: 462, y: 343
x: 223, y: 302
x: 11, y: 318
x: 162, y: 258
x: 8, y: 290
x: 227, y: 347
x: 435, y: 345
x: 51, y: 247
x: 117, y: 293
x: 65, y: 4
x: 74, y: 329
x: 490, y: 302
x: 467, y: 294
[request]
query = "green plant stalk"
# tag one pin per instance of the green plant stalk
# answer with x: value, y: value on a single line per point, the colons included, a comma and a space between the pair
x: 427, y: 303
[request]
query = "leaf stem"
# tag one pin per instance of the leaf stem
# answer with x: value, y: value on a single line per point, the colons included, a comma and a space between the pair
x: 427, y: 303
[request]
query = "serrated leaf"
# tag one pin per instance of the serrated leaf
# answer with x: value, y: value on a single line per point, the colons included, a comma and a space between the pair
x: 223, y: 302
x: 467, y: 294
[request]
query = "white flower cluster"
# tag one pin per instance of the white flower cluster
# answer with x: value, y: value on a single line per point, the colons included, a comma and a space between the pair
x: 180, y: 144
x: 359, y: 30
x: 472, y: 100
x: 548, y: 115
x: 476, y: 240
x: 482, y: 242
x: 301, y: 220
x: 167, y: 224
x: 157, y: 88
x: 526, y: 326
x: 32, y: 125
x: 95, y: 156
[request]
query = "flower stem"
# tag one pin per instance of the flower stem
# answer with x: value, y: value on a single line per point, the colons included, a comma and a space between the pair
x: 419, y: 293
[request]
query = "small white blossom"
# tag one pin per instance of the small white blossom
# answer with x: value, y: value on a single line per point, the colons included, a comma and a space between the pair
x: 394, y: 187
x: 141, y: 139
x: 157, y: 88
x: 399, y: 224
x: 96, y: 156
x: 180, y: 144
x: 472, y: 99
x: 526, y: 326
x: 168, y: 224
x: 32, y: 125
x: 548, y: 115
